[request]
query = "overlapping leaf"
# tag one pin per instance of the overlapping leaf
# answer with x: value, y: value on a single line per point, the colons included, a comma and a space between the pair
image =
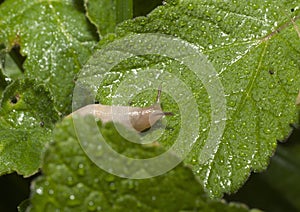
x: 56, y: 39
x: 72, y: 182
x: 104, y: 21
x: 27, y: 116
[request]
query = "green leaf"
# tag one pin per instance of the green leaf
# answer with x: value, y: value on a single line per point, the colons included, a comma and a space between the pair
x: 70, y: 181
x: 276, y: 188
x: 11, y: 69
x: 253, y: 46
x: 124, y: 10
x: 27, y: 116
x: 3, y: 82
x: 54, y: 36
x: 102, y: 14
x: 8, y: 67
x: 106, y: 14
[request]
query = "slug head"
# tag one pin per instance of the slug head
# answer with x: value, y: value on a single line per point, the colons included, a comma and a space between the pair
x: 147, y: 117
x: 144, y: 118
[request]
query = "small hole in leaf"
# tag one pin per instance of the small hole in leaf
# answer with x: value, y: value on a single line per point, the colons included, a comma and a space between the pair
x: 271, y: 72
x: 292, y: 10
x: 75, y: 79
x: 15, y: 99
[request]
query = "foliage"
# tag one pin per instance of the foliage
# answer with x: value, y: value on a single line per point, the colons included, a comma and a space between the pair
x: 46, y: 46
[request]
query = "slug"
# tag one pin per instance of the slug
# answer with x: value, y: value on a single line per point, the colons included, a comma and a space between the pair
x: 137, y: 118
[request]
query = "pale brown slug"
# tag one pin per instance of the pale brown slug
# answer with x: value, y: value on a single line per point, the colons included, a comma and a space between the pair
x: 132, y: 117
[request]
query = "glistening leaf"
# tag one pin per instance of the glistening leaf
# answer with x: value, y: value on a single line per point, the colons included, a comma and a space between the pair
x: 71, y: 182
x: 254, y: 48
x: 276, y: 186
x: 54, y: 36
x: 27, y: 116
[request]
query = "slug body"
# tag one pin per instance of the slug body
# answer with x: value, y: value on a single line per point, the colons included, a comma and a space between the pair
x: 132, y: 117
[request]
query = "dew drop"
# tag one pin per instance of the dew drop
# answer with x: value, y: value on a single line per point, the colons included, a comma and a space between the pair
x: 96, y: 180
x: 50, y: 192
x: 271, y: 86
x: 81, y: 170
x: 39, y: 191
x: 232, y: 103
x: 290, y: 81
x: 70, y: 181
x: 91, y: 206
x: 73, y: 201
x: 267, y: 131
x: 194, y: 161
x: 112, y: 187
x: 190, y: 7
x: 242, y: 154
x: 130, y: 184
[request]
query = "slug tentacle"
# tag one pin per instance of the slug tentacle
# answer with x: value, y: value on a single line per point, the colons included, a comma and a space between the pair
x: 158, y: 95
x: 137, y: 118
